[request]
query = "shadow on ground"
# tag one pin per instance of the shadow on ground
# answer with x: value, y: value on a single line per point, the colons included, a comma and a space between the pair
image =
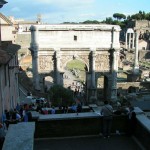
x: 87, y: 143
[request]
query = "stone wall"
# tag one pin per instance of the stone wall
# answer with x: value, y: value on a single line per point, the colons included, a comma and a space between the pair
x: 85, y: 39
x: 126, y: 85
x: 23, y: 39
x: 142, y: 24
x: 77, y: 126
x: 77, y: 36
x: 142, y: 132
x: 139, y: 24
x: 6, y: 33
x: 144, y: 55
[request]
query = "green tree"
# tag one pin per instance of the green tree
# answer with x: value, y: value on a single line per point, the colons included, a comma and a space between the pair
x: 141, y: 15
x: 60, y: 95
x: 147, y: 16
x: 109, y: 20
x: 119, y: 16
x: 91, y: 22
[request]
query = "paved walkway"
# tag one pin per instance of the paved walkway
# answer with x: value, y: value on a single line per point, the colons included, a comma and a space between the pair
x: 116, y: 142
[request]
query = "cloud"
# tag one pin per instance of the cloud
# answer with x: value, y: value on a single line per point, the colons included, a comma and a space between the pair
x: 66, y: 4
x: 15, y: 9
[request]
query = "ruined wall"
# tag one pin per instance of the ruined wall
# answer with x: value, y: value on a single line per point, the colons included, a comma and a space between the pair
x: 23, y: 39
x: 144, y: 55
x: 126, y: 85
x: 142, y: 24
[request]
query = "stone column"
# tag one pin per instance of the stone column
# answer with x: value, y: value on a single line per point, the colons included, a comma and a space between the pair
x: 34, y: 47
x: 126, y: 40
x: 136, y: 63
x: 129, y: 46
x: 112, y: 37
x: 58, y: 71
x: 114, y: 74
x: 133, y: 41
x: 93, y: 68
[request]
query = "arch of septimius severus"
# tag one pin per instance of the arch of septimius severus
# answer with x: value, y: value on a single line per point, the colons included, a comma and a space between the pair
x: 52, y: 46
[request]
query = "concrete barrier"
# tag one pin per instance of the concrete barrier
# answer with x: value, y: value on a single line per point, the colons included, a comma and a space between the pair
x: 20, y: 136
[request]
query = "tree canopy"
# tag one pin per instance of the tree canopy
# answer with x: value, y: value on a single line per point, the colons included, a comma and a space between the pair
x: 120, y: 19
x: 60, y: 95
x: 119, y: 16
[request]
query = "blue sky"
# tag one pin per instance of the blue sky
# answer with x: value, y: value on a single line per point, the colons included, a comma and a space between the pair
x: 58, y: 11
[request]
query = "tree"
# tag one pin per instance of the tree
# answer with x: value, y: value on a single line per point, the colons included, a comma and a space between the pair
x: 60, y: 95
x: 119, y: 16
x: 141, y: 15
x: 91, y: 22
x: 147, y: 16
x: 109, y: 20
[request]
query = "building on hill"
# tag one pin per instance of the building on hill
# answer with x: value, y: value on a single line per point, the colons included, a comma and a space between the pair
x: 22, y: 35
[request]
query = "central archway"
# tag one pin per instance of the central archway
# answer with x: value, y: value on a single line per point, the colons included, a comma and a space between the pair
x: 75, y: 74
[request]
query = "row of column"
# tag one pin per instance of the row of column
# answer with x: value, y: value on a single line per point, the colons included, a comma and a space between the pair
x: 131, y: 41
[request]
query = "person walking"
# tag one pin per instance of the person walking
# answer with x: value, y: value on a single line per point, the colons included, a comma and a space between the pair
x: 107, y: 112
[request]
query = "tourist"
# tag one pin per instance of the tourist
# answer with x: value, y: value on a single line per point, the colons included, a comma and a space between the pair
x: 6, y: 118
x: 25, y: 111
x: 79, y: 107
x: 132, y: 121
x: 53, y: 111
x: 2, y: 135
x: 107, y: 112
x: 74, y: 108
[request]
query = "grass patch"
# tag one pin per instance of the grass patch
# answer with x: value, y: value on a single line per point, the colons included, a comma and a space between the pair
x: 76, y: 64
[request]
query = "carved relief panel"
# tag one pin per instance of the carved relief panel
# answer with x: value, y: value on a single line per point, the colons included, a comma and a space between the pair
x: 102, y: 63
x: 64, y: 60
x: 45, y: 63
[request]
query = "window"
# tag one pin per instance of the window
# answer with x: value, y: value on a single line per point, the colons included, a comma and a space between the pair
x: 75, y: 38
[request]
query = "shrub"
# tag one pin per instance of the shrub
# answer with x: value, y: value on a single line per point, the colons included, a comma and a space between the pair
x: 60, y: 96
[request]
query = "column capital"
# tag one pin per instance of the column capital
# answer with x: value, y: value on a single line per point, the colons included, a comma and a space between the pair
x: 34, y: 28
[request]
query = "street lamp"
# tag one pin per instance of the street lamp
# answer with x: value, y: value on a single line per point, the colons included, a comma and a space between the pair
x: 2, y: 2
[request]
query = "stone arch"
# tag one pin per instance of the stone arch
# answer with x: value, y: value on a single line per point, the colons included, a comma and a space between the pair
x: 43, y: 79
x: 93, y: 42
x: 73, y: 77
x: 67, y: 59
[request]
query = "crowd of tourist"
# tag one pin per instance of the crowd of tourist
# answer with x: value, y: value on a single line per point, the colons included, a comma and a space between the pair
x: 46, y: 108
x: 20, y: 113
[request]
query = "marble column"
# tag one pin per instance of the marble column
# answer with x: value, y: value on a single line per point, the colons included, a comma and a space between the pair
x: 112, y: 38
x: 34, y: 47
x: 136, y: 63
x: 133, y: 39
x: 126, y: 42
x: 58, y: 71
x: 114, y: 74
x: 93, y: 68
x: 129, y: 46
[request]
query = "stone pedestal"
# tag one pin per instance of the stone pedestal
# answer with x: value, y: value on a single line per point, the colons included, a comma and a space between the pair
x: 131, y: 77
x: 92, y: 95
